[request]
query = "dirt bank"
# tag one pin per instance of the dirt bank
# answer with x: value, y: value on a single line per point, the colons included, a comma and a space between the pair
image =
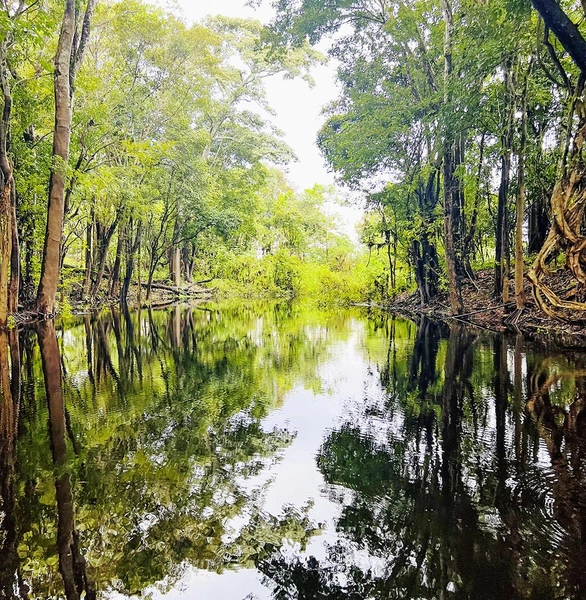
x: 483, y: 310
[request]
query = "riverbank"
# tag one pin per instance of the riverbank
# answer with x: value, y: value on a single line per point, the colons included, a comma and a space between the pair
x: 483, y: 310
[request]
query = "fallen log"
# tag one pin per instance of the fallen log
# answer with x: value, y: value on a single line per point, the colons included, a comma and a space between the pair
x: 189, y: 291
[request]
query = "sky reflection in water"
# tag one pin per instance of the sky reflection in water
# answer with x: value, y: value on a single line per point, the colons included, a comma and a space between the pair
x: 287, y: 452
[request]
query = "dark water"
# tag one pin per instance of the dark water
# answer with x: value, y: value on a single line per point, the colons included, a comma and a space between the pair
x: 282, y: 452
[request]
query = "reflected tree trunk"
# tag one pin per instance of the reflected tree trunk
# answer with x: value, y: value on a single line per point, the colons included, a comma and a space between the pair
x: 451, y: 413
x: 11, y: 583
x: 72, y: 564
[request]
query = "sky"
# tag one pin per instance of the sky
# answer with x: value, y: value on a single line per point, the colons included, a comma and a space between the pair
x: 297, y: 105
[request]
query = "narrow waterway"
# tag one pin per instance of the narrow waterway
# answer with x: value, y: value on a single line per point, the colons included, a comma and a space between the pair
x: 280, y: 451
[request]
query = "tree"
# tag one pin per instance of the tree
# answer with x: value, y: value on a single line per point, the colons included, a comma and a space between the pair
x: 71, y: 48
x: 568, y: 198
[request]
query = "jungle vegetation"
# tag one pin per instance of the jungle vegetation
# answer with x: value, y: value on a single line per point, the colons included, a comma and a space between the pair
x: 135, y: 148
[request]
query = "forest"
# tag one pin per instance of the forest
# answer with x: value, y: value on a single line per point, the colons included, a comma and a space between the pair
x: 209, y: 386
x: 137, y: 152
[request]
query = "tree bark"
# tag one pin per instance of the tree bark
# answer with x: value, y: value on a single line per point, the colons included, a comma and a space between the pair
x: 450, y: 205
x: 61, y: 138
x: 70, y: 50
x: 6, y: 186
x: 565, y: 30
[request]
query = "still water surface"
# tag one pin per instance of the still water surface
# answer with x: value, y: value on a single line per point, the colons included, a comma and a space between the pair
x: 283, y: 452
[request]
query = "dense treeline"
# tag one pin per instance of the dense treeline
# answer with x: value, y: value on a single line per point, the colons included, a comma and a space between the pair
x: 153, y: 143
x: 136, y: 148
x: 454, y: 117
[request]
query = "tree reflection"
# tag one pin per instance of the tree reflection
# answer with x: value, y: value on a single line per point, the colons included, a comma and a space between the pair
x: 460, y: 511
x: 72, y: 564
x: 154, y: 451
x: 561, y: 423
x: 11, y: 581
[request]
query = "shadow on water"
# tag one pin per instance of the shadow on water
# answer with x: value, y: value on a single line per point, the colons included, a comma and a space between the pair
x: 133, y: 447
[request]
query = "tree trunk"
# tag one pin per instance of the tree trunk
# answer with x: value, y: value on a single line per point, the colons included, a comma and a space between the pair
x: 177, y: 266
x: 115, y: 286
x: 502, y: 225
x: 130, y: 254
x: 565, y: 30
x: 104, y: 239
x: 89, y: 239
x: 6, y: 185
x: 5, y: 249
x: 61, y: 138
x: 70, y: 51
x: 188, y: 260
x: 149, y: 284
x: 450, y: 202
x: 456, y: 304
x: 519, y: 270
x: 538, y: 223
x: 14, y: 285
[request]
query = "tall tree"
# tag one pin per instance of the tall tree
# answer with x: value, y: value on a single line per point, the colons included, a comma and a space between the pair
x: 71, y: 47
x: 451, y: 208
x: 568, y: 200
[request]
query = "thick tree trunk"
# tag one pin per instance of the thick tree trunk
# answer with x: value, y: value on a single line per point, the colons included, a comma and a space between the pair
x: 424, y: 256
x: 538, y: 223
x: 564, y: 29
x: 70, y: 51
x: 61, y: 138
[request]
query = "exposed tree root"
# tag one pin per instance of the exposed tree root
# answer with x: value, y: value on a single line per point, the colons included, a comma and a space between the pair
x: 568, y: 203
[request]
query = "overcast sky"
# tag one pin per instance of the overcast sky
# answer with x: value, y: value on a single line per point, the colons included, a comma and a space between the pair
x: 298, y: 106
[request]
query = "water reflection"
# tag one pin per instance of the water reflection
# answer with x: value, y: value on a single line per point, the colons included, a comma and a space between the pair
x: 134, y: 447
x: 72, y: 564
x: 451, y: 494
x: 134, y: 442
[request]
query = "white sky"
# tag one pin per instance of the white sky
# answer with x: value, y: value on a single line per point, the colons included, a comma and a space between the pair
x: 297, y: 105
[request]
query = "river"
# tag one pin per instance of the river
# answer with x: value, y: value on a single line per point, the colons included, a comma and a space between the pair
x: 281, y: 451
